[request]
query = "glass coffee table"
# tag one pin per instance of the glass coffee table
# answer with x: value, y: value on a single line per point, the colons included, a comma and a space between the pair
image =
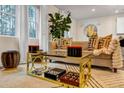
x: 84, y: 66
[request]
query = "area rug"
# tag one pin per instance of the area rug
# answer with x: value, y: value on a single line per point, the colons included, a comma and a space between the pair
x: 17, y: 78
x: 103, y: 78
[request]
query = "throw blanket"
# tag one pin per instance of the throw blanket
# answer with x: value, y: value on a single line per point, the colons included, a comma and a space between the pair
x: 114, y: 49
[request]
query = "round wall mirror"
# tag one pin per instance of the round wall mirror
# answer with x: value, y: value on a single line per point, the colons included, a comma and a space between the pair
x: 91, y: 30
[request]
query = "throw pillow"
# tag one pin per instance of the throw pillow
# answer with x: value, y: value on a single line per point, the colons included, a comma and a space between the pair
x: 93, y: 43
x: 53, y: 45
x: 65, y: 42
x: 104, y: 41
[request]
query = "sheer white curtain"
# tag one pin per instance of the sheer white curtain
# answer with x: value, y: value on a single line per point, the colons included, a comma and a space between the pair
x: 44, y: 34
x: 23, y: 37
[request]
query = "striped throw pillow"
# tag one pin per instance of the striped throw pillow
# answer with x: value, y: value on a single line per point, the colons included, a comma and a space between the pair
x: 104, y: 41
x: 93, y: 43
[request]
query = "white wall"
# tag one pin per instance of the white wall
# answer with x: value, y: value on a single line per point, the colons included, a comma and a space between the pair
x: 52, y: 9
x: 44, y: 35
x: 105, y: 26
x: 120, y: 24
x: 8, y: 43
x: 23, y: 37
x: 73, y: 30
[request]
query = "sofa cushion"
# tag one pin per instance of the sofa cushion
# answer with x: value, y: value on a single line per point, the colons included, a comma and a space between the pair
x: 103, y: 56
x: 102, y: 62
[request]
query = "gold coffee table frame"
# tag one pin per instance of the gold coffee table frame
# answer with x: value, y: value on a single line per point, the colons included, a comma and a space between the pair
x: 85, y: 67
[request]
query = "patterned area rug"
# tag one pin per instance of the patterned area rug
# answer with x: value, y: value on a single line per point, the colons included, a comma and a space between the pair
x: 75, y: 68
x: 101, y: 78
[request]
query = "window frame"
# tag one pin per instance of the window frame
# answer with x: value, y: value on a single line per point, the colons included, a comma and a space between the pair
x: 36, y: 21
x: 12, y: 15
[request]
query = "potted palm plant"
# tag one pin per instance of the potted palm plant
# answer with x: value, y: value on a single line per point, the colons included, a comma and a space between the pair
x: 58, y: 25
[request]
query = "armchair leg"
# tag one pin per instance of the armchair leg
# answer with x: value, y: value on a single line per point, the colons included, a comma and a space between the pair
x: 115, y: 70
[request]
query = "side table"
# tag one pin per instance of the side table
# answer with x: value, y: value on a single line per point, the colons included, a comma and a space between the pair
x: 10, y: 59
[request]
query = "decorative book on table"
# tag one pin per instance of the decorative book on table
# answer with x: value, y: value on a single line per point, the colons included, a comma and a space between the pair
x: 71, y: 78
x: 74, y: 51
x: 54, y: 73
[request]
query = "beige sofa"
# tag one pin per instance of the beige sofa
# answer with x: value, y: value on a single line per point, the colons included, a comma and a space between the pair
x: 103, y: 60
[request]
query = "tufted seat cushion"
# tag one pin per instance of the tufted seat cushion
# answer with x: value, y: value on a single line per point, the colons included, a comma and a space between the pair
x: 103, y: 56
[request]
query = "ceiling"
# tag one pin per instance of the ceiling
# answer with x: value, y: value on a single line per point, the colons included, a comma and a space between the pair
x: 85, y: 11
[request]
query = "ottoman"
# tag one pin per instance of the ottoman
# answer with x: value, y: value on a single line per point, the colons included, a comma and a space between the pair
x: 10, y: 59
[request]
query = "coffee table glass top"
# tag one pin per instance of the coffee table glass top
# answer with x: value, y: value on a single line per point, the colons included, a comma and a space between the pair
x: 63, y: 53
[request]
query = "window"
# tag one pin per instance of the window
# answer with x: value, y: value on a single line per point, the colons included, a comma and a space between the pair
x: 7, y: 20
x: 32, y: 24
x: 120, y: 25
